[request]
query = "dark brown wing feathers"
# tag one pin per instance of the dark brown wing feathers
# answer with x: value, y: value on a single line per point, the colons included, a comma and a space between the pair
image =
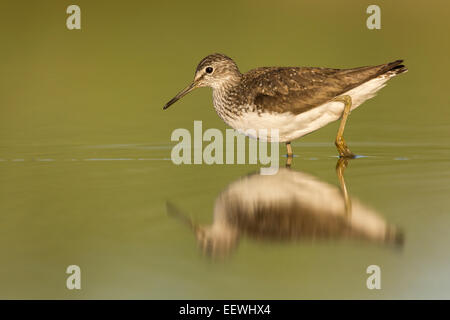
x: 300, y: 89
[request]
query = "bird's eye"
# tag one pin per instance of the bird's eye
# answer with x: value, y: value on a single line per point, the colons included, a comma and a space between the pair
x: 209, y: 70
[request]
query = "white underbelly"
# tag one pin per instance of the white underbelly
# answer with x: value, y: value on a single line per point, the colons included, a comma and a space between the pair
x: 291, y: 126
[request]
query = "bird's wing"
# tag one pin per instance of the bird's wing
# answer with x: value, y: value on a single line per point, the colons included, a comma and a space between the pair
x: 300, y: 89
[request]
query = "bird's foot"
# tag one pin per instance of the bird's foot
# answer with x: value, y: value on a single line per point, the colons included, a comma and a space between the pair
x: 289, y: 160
x: 343, y: 149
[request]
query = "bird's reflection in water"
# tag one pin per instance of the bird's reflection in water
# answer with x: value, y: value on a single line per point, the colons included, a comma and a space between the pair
x: 288, y: 206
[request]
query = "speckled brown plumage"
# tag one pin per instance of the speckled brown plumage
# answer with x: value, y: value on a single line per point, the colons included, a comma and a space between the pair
x: 298, y: 89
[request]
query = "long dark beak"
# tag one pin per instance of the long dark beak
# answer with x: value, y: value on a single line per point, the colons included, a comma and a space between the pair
x: 180, y: 95
x: 173, y: 211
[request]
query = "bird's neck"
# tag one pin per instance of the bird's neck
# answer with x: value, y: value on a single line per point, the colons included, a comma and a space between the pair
x: 225, y: 98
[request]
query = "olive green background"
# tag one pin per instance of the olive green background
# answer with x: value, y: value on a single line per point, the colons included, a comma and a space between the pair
x: 70, y: 97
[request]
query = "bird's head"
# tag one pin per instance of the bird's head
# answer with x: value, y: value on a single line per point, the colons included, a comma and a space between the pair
x: 215, y: 71
x: 217, y: 241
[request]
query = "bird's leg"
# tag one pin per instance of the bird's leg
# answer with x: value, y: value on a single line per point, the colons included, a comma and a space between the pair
x: 290, y: 155
x: 340, y: 168
x: 344, y: 151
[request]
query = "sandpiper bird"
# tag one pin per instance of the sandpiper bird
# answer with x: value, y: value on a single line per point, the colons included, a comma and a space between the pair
x: 294, y: 100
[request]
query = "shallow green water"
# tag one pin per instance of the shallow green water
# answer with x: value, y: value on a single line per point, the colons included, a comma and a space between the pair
x: 85, y: 173
x: 109, y: 217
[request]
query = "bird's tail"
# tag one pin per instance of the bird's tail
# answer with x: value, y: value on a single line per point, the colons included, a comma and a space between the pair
x: 394, y: 68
